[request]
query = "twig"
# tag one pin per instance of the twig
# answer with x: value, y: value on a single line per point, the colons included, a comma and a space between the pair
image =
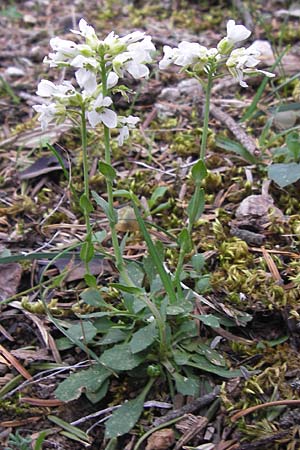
x: 235, y: 128
x: 190, y: 407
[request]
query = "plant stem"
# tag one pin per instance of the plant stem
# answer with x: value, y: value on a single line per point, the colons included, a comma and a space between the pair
x: 114, y: 237
x: 85, y: 164
x: 86, y: 210
x: 206, y: 116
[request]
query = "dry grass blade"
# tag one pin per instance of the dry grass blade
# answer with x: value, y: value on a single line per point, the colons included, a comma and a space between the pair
x: 15, y: 363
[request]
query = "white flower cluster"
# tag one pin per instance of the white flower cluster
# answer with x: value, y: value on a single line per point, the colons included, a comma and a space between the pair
x: 197, y: 58
x: 98, y: 66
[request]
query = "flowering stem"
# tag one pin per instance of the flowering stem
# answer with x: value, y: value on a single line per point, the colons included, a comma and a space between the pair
x: 87, y: 250
x: 112, y: 224
x: 85, y: 161
x: 125, y: 277
x: 206, y: 116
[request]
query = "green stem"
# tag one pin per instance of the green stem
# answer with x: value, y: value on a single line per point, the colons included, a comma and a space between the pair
x: 178, y: 271
x: 86, y: 212
x: 114, y: 237
x: 206, y: 116
x: 109, y: 187
x: 85, y: 162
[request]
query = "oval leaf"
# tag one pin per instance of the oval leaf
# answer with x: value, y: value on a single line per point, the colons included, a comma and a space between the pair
x: 120, y: 357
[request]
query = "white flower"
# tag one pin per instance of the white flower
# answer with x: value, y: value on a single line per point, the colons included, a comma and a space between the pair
x: 169, y: 56
x: 186, y: 54
x: 135, y: 58
x: 65, y: 50
x: 189, y: 53
x: 235, y: 34
x: 88, y: 32
x: 48, y: 89
x: 86, y: 80
x: 128, y: 123
x: 46, y: 114
x: 243, y: 61
x: 100, y: 113
x: 86, y: 62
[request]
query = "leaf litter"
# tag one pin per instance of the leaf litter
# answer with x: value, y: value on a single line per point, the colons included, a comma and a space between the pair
x: 248, y: 278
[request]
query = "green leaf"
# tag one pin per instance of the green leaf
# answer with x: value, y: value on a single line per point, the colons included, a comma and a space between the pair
x: 157, y: 194
x: 237, y: 148
x: 186, y: 385
x: 174, y: 310
x: 198, y: 262
x: 73, y: 386
x: 143, y: 338
x: 84, y: 331
x: 112, y: 217
x: 202, y: 363
x: 87, y: 251
x: 39, y: 442
x: 136, y: 273
x: 125, y: 417
x: 164, y: 276
x: 120, y: 357
x: 129, y: 289
x: 69, y: 428
x: 99, y: 236
x: 186, y: 330
x: 208, y: 319
x: 95, y: 396
x: 85, y: 204
x: 196, y: 205
x: 284, y: 174
x: 112, y: 445
x: 185, y: 241
x: 199, y: 171
x: 64, y: 343
x: 92, y: 297
x: 181, y: 357
x: 113, y: 336
x: 293, y: 144
x: 90, y: 280
x: 107, y: 170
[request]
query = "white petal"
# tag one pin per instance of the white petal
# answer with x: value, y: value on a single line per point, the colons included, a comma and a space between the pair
x: 107, y: 101
x: 86, y: 80
x: 133, y: 37
x: 45, y: 88
x: 132, y: 120
x: 94, y: 118
x: 266, y: 73
x: 112, y: 80
x: 137, y: 70
x: 109, y: 118
x: 237, y: 33
x: 124, y: 134
x: 99, y: 101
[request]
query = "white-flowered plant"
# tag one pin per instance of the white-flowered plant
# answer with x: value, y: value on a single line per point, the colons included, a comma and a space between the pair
x: 87, y: 99
x: 197, y: 59
x: 98, y: 65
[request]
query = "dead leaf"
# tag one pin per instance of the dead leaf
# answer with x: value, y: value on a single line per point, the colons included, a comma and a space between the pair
x: 76, y: 269
x: 10, y: 276
x: 41, y: 166
x: 161, y: 439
